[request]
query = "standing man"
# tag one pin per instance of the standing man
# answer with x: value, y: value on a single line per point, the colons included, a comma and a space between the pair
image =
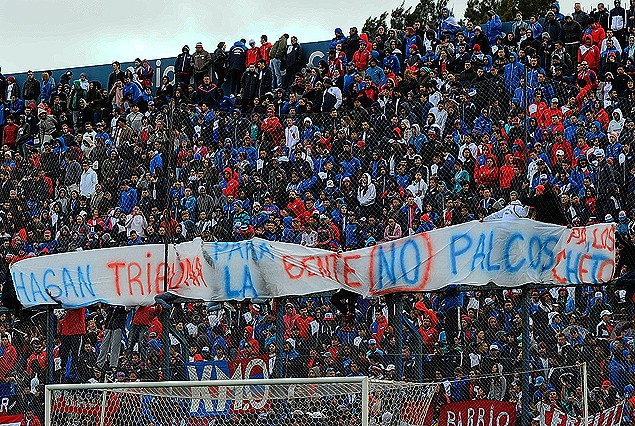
x: 31, y: 89
x: 237, y: 58
x: 201, y: 63
x: 183, y: 68
x: 265, y: 77
x: 277, y: 54
x: 88, y: 181
x: 111, y: 342
x: 72, y: 329
x: 618, y: 21
x: 293, y: 60
x: 115, y: 75
x: 265, y: 49
x: 249, y: 85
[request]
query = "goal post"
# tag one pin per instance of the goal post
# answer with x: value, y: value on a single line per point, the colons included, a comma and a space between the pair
x: 225, y: 401
x: 285, y: 402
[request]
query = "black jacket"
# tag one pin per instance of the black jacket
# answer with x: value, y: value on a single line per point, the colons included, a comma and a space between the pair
x: 31, y: 89
x: 548, y: 207
x: 183, y: 64
x: 294, y: 55
x: 265, y: 80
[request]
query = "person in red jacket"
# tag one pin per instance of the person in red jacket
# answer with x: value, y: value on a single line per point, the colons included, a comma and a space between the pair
x: 8, y: 358
x: 10, y: 133
x: 265, y: 48
x: 506, y: 174
x: 488, y: 174
x: 290, y: 315
x: 30, y: 419
x: 253, y: 54
x: 295, y: 205
x: 361, y: 57
x: 231, y: 182
x: 272, y: 125
x: 597, y: 33
x: 303, y: 322
x: 72, y: 328
x: 141, y: 322
x: 36, y: 364
x: 429, y: 335
x: 560, y: 144
x: 590, y: 53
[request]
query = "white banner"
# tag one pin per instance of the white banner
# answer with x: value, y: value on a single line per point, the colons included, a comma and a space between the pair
x: 509, y: 253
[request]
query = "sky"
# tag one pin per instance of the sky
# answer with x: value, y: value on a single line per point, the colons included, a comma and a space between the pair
x: 64, y: 33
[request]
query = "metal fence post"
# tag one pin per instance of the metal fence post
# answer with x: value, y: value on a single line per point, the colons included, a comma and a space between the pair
x: 50, y: 345
x: 279, y: 307
x: 526, y: 389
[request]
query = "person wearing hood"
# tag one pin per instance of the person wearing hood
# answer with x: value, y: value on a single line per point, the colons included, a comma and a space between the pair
x: 339, y: 38
x: 183, y: 68
x: 552, y: 26
x: 498, y: 383
x: 617, y: 123
x: 366, y: 195
x: 237, y: 58
x: 481, y: 40
x: 571, y: 36
x: 447, y: 24
x: 201, y: 61
x: 513, y: 72
x: 493, y: 27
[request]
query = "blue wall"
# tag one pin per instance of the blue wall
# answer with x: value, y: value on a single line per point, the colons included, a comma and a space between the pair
x: 313, y: 52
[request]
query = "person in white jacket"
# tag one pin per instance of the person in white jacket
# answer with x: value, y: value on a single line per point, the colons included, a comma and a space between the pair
x: 291, y: 134
x: 366, y: 194
x: 88, y: 181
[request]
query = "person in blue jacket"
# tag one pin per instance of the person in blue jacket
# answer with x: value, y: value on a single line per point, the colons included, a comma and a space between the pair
x: 536, y: 28
x: 391, y: 61
x: 513, y: 72
x: 131, y: 88
x: 493, y: 27
x: 447, y: 24
x: 339, y: 38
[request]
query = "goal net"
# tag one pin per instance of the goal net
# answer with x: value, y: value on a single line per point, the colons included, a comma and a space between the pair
x: 333, y: 401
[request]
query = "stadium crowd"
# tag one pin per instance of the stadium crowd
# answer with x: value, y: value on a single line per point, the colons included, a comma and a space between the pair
x: 397, y: 132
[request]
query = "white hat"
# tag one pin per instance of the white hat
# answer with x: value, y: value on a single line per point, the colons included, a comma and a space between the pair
x: 330, y: 184
x: 606, y: 312
x: 559, y: 152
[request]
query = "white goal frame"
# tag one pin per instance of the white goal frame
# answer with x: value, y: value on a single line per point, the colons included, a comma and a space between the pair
x: 363, y: 381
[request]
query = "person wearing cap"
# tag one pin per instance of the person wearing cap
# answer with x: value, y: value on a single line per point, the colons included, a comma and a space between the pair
x: 201, y: 62
x: 604, y: 328
x: 480, y: 39
x: 253, y: 53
